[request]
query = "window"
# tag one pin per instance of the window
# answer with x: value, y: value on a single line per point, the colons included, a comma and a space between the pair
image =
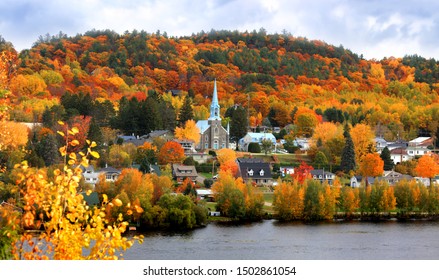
x: 108, y: 177
x: 261, y: 173
x: 250, y: 172
x: 223, y: 145
x: 206, y: 146
x: 215, y: 145
x: 216, y: 130
x: 207, y: 138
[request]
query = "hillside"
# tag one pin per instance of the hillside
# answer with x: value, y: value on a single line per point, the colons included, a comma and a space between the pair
x: 278, y: 73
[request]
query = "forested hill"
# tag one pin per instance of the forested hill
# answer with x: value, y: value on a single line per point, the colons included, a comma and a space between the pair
x: 277, y: 72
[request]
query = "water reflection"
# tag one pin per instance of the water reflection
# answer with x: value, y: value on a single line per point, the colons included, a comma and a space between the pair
x: 274, y: 240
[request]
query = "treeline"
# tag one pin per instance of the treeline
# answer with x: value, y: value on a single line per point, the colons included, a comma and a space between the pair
x: 313, y: 201
x: 151, y: 201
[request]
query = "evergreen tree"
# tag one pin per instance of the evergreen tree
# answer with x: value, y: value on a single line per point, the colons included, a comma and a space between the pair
x: 95, y: 133
x: 348, y: 155
x: 238, y: 122
x: 388, y: 162
x: 186, y: 111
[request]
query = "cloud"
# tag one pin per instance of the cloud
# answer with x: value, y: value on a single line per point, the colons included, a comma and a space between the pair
x: 374, y: 28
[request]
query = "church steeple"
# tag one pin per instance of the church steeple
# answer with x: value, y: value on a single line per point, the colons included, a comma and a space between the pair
x: 214, y: 107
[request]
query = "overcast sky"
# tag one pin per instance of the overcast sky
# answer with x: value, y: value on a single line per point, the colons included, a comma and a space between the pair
x: 374, y: 28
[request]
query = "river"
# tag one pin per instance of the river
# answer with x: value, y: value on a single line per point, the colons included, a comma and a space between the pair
x: 271, y: 240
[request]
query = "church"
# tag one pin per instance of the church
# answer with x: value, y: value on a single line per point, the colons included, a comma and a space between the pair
x: 212, y: 134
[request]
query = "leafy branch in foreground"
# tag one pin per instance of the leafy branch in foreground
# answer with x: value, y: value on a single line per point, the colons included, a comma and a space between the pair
x: 63, y: 225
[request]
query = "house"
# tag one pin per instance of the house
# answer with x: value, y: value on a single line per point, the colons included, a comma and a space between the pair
x: 212, y: 134
x: 286, y: 170
x: 255, y: 137
x: 380, y: 144
x: 205, y: 195
x: 392, y: 177
x: 419, y: 146
x: 255, y: 171
x: 356, y: 181
x: 399, y: 155
x: 187, y: 145
x: 91, y: 176
x: 302, y: 143
x: 323, y: 176
x: 181, y: 172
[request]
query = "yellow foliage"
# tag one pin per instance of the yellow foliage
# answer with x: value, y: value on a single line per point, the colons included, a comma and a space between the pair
x: 70, y: 229
x: 12, y: 135
x: 190, y: 131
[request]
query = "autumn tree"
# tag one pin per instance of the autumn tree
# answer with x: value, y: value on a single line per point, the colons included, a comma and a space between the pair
x: 371, y: 166
x: 189, y: 131
x: 288, y: 201
x: 171, y: 152
x: 12, y: 135
x: 362, y: 137
x: 302, y: 172
x: 427, y: 167
x: 72, y: 229
x: 235, y: 199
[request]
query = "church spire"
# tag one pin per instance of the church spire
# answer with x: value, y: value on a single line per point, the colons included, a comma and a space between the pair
x: 214, y: 107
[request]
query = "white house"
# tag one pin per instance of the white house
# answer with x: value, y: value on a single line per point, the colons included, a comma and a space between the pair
x: 419, y: 146
x: 323, y: 176
x: 255, y: 137
x: 91, y: 176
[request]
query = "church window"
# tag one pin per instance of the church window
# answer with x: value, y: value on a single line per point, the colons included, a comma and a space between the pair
x: 216, y: 130
x: 215, y: 145
x: 250, y: 172
x: 261, y: 172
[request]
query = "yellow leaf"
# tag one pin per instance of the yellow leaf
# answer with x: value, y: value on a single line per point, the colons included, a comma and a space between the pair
x: 75, y: 130
x: 105, y: 198
x: 61, y: 133
x: 94, y: 154
x: 74, y: 143
x: 117, y: 202
x: 61, y: 122
x: 93, y: 144
x: 129, y: 212
x: 89, y: 192
x: 72, y: 155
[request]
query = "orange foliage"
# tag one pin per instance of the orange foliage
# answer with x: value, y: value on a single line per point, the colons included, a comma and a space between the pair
x: 371, y: 165
x: 427, y: 167
x: 171, y: 152
x: 12, y: 135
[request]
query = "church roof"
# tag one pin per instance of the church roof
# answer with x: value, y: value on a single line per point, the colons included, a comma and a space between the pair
x: 203, y: 125
x: 214, y: 107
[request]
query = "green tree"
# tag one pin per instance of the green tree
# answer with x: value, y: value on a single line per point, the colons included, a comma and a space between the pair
x: 254, y: 147
x: 348, y: 155
x: 186, y: 111
x: 238, y: 122
x: 267, y: 146
x: 320, y: 160
x: 385, y: 156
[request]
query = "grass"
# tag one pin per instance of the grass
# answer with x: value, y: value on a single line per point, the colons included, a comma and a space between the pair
x: 207, y: 175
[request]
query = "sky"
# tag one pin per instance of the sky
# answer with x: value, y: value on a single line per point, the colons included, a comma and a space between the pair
x: 373, y: 28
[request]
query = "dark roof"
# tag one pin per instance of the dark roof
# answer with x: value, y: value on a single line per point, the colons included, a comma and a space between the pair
x: 109, y: 170
x: 184, y: 170
x: 254, y: 169
x: 92, y: 199
x: 322, y: 172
